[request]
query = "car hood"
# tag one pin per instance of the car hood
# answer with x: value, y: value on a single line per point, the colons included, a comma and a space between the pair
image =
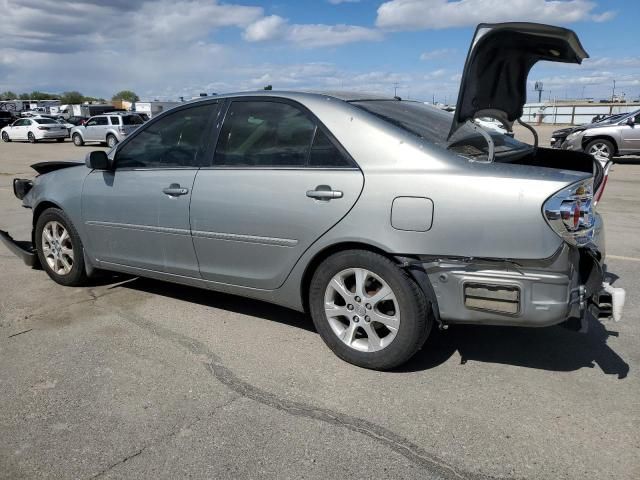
x: 494, y: 79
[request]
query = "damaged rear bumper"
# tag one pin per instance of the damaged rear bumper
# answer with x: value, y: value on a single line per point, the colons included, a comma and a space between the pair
x: 573, y: 284
x: 23, y: 250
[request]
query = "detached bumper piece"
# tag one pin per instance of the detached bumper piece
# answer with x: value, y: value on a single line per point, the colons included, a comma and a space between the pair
x: 23, y: 250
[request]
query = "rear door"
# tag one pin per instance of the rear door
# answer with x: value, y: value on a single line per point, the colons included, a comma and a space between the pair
x: 278, y: 181
x: 137, y: 214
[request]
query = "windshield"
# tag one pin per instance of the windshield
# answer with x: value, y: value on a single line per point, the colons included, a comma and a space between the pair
x: 433, y: 125
x: 132, y: 120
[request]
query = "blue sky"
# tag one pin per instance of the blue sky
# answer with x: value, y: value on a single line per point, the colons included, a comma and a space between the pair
x: 169, y: 48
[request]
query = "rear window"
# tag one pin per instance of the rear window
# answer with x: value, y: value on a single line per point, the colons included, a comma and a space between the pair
x: 432, y: 124
x: 132, y: 120
x: 44, y: 121
x: 115, y: 120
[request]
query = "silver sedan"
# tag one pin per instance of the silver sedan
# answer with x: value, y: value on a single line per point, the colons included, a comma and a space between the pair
x: 380, y: 217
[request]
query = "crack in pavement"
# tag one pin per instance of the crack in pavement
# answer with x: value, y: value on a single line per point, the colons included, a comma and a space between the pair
x: 220, y: 372
x: 162, y: 438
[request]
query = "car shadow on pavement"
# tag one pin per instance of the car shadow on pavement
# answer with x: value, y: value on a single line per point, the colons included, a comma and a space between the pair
x: 222, y: 301
x: 552, y: 348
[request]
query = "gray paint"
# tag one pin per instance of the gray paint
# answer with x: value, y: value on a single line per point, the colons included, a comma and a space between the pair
x: 254, y: 231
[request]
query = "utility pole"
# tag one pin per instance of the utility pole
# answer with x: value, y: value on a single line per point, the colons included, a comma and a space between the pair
x: 395, y: 88
x: 613, y: 92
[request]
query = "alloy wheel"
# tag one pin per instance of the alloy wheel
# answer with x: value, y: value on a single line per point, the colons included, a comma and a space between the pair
x: 31, y: 137
x: 5, y: 137
x: 111, y: 141
x: 57, y: 248
x: 362, y: 309
x: 600, y: 150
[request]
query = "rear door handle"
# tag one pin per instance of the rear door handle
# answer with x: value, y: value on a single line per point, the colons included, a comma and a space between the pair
x: 324, y: 192
x: 175, y: 190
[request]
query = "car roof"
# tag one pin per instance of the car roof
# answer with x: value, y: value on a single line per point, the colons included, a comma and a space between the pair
x: 346, y: 96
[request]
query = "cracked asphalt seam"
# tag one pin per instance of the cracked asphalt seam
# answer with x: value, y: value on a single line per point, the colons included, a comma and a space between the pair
x: 397, y: 443
x: 162, y: 438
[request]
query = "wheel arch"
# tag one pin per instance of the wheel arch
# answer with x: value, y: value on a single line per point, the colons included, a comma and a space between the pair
x: 587, y: 140
x: 37, y: 211
x: 414, y: 268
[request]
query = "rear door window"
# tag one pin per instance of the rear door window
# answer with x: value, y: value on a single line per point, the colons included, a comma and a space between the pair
x: 264, y: 134
x: 115, y: 120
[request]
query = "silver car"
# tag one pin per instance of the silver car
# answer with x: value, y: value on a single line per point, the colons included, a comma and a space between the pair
x: 382, y: 218
x: 604, y: 140
x: 108, y: 128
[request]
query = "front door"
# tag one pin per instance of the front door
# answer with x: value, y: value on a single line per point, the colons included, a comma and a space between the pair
x: 95, y: 129
x: 137, y: 214
x: 278, y: 182
x: 630, y: 136
x: 19, y: 129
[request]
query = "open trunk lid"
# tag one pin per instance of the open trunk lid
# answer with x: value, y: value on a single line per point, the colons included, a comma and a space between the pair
x: 494, y: 79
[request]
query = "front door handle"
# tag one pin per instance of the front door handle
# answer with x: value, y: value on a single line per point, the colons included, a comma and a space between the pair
x: 175, y: 190
x: 324, y: 192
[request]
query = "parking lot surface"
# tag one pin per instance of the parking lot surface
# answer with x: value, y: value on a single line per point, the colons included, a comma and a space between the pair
x: 140, y: 379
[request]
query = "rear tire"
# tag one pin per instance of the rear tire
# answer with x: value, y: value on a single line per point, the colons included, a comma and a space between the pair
x: 31, y: 137
x: 367, y: 310
x: 111, y: 141
x: 5, y: 137
x: 77, y: 140
x: 60, y: 249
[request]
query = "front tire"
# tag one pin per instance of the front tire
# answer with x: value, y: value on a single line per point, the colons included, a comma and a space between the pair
x: 31, y: 137
x: 60, y: 249
x: 5, y: 137
x: 601, y: 148
x: 77, y: 140
x: 367, y: 310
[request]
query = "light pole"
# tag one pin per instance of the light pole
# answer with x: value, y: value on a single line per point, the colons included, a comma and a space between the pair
x: 613, y: 92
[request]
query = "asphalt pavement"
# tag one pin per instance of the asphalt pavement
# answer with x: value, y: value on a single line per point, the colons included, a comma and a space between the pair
x: 134, y: 378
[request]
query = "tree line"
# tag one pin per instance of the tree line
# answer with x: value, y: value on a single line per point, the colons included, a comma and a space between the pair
x: 72, y: 97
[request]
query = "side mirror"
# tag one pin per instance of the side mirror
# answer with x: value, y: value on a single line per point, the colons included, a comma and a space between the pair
x: 630, y: 122
x: 97, y: 160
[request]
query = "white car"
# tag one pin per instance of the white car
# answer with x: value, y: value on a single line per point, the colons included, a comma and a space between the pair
x: 493, y: 125
x: 34, y: 129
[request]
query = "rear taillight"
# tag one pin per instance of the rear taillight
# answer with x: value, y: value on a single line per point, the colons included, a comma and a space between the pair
x: 43, y: 128
x: 121, y: 129
x: 570, y: 212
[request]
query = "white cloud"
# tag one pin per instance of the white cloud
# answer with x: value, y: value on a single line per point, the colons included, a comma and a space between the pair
x: 308, y: 35
x: 439, y: 14
x: 439, y: 53
x: 268, y: 28
x: 331, y: 35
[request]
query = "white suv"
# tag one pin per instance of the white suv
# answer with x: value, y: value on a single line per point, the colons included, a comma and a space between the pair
x: 108, y: 128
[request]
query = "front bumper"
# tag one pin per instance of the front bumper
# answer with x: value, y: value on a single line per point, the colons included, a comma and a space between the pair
x: 23, y: 250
